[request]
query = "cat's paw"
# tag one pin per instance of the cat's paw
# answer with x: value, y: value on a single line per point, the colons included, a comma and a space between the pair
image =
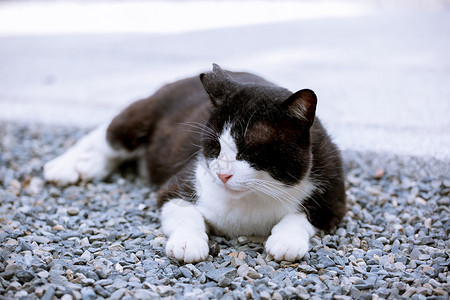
x: 286, y: 246
x: 189, y: 248
x: 61, y: 170
x: 75, y: 165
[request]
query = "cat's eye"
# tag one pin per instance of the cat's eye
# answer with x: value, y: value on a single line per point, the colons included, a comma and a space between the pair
x: 211, y: 148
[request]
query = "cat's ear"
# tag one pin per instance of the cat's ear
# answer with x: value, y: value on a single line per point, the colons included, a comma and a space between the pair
x: 302, y: 105
x: 217, y: 83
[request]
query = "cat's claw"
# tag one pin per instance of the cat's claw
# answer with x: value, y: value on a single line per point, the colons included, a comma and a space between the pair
x: 187, y: 248
x: 282, y: 246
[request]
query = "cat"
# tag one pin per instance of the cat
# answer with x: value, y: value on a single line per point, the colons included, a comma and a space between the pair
x: 232, y: 155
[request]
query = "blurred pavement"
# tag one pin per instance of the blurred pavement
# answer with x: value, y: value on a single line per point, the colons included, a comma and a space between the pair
x: 382, y: 74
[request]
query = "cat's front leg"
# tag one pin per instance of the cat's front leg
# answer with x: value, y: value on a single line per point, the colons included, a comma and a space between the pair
x: 186, y: 229
x: 289, y: 239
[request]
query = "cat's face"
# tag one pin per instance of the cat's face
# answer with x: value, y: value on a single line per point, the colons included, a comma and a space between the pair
x: 258, y: 136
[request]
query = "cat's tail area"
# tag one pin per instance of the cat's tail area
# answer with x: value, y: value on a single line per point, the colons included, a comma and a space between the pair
x: 92, y: 157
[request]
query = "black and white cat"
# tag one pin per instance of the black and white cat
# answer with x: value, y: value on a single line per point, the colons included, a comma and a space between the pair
x: 232, y: 154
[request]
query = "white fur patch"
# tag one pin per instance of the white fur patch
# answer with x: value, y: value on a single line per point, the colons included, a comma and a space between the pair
x: 186, y: 229
x: 90, y: 158
x: 251, y: 202
x: 290, y: 238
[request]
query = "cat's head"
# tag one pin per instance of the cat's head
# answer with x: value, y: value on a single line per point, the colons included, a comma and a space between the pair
x: 257, y: 134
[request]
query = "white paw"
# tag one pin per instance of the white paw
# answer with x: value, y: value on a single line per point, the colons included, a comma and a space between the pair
x: 74, y: 166
x: 189, y: 248
x: 78, y: 164
x: 61, y: 170
x: 289, y: 247
x: 90, y: 158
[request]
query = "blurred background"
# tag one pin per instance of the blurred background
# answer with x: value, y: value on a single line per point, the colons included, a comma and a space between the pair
x: 381, y: 69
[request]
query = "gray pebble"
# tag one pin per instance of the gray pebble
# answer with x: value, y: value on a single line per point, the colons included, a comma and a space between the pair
x: 101, y: 239
x: 73, y: 211
x: 49, y: 293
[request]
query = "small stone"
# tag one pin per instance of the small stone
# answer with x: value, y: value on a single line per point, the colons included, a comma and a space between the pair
x: 426, y: 240
x: 346, y: 285
x: 15, y: 184
x: 434, y: 283
x: 440, y: 292
x: 214, y: 248
x: 84, y: 242
x: 164, y: 291
x: 43, y: 274
x: 379, y: 173
x: 307, y: 269
x: 254, y: 275
x: 224, y: 282
x: 243, y: 270
x: 86, y: 255
x: 15, y: 286
x: 326, y: 261
x: 97, y: 238
x: 186, y: 272
x: 236, y: 262
x: 39, y: 291
x: 21, y: 294
x: 73, y: 211
x: 420, y: 201
x: 428, y: 270
x: 277, y: 296
x: 58, y: 228
x: 25, y: 246
x: 409, y: 292
x: 36, y: 185
x: 264, y: 295
x: 25, y: 276
x: 141, y: 294
x: 49, y: 293
x: 415, y: 253
x: 40, y: 239
x: 118, y: 267
x: 87, y: 293
x: 242, y: 240
x: 118, y: 294
x: 371, y: 253
x: 217, y: 274
x: 87, y: 281
x: 341, y: 232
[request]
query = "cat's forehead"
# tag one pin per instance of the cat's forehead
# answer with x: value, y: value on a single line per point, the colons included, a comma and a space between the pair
x: 226, y: 140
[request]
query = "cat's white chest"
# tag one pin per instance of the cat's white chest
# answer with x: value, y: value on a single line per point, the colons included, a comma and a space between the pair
x: 253, y: 214
x: 244, y: 216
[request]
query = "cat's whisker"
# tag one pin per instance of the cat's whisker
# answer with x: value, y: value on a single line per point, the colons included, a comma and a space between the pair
x: 204, y: 128
x: 248, y: 122
x: 280, y: 195
x: 188, y: 159
x: 203, y: 133
x: 271, y: 189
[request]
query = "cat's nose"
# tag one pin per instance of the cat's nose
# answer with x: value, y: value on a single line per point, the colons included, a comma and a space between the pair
x: 224, y: 177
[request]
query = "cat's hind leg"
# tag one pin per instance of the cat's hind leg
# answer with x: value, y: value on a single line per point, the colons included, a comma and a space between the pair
x: 92, y: 157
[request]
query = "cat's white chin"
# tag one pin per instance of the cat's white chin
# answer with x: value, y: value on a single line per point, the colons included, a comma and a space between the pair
x: 235, y: 193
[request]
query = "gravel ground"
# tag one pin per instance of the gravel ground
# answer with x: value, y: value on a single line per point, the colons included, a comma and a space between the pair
x: 102, y: 239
